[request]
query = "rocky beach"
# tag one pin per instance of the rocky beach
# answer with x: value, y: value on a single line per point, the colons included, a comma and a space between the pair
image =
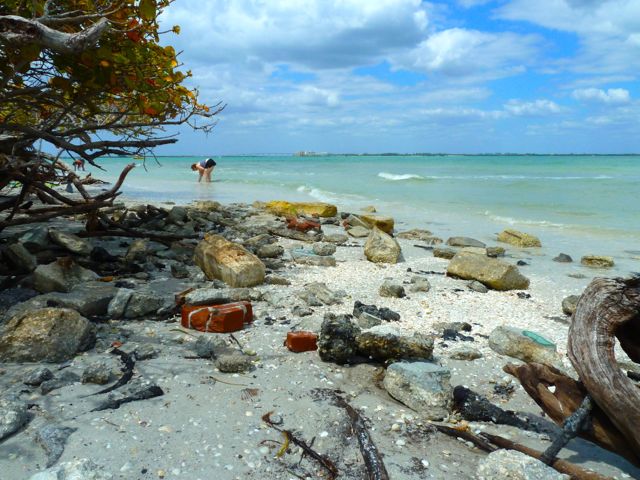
x: 102, y: 378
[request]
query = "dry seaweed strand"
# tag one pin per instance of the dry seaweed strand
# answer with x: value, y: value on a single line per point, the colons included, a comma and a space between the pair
x: 374, y: 464
x: 127, y: 371
x: 327, y: 464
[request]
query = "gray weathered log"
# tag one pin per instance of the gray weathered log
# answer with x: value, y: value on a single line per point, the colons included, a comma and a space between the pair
x: 609, y: 308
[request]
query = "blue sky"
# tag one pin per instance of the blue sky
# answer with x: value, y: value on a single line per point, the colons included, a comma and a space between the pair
x: 468, y: 76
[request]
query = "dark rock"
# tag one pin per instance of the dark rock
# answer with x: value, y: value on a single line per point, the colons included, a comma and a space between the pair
x: 178, y: 270
x: 146, y: 352
x: 21, y: 258
x: 569, y: 304
x: 60, y: 276
x: 386, y: 343
x: 391, y: 289
x: 53, y: 438
x: 36, y: 239
x: 65, y: 378
x: 373, y: 313
x: 521, y: 263
x: 301, y: 311
x: 70, y: 242
x: 450, y: 334
x: 14, y: 296
x: 454, y: 326
x: 337, y: 339
x: 208, y: 346
x: 563, y: 258
x: 36, y: 376
x: 444, y: 252
x: 495, y: 252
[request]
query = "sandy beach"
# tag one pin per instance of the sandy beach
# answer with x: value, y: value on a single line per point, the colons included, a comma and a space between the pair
x: 210, y: 422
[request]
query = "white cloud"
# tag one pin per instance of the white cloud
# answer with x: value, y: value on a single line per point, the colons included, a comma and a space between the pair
x: 473, y: 3
x: 460, y: 52
x: 612, y: 96
x: 534, y: 108
x: 607, y: 29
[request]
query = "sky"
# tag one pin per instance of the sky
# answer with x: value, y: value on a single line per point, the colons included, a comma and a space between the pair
x: 406, y: 76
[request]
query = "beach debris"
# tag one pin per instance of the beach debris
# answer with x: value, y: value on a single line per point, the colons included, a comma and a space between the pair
x: 303, y: 224
x: 569, y: 304
x: 301, y: 341
x: 385, y: 342
x: 444, y: 252
x: 421, y: 386
x: 597, y: 261
x: 389, y: 288
x: 563, y: 258
x: 83, y: 468
x: 128, y: 364
x: 465, y: 242
x: 140, y: 393
x: 53, y: 438
x: 373, y: 460
x: 518, y: 239
x: 381, y: 247
x: 524, y: 345
x: 337, y: 339
x: 13, y: 416
x: 503, y: 464
x: 61, y: 275
x: 47, y: 335
x: 228, y: 261
x: 493, y: 273
x: 312, y: 209
x: 225, y: 318
x: 291, y: 437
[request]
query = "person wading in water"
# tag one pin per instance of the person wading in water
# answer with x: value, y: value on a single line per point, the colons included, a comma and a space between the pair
x: 204, y: 168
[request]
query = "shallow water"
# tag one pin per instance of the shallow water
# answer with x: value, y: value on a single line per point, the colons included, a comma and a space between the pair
x: 575, y: 204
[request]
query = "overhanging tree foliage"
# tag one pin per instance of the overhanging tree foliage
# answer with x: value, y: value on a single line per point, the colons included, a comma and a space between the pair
x: 89, y: 78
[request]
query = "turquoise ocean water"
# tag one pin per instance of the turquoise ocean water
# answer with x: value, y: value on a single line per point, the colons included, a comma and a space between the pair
x: 575, y: 204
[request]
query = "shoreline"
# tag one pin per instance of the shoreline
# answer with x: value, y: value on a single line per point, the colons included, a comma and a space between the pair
x: 205, y: 424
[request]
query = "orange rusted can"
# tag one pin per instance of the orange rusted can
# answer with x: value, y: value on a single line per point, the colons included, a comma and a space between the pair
x: 226, y: 318
x: 301, y: 341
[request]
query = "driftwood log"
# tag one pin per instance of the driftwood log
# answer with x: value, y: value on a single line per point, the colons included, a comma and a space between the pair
x: 609, y: 309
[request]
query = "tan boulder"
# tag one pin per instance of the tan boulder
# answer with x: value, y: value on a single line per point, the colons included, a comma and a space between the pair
x: 597, y: 261
x: 492, y: 272
x: 46, y: 335
x: 383, y: 223
x: 381, y: 248
x: 227, y: 261
x: 321, y: 209
x: 518, y: 239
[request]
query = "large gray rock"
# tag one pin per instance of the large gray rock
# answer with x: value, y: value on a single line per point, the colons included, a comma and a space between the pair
x: 524, y: 345
x: 492, y: 272
x: 138, y: 251
x: 129, y: 303
x: 358, y: 232
x: 271, y: 250
x: 70, y: 242
x: 384, y: 342
x: 46, y: 335
x: 317, y: 294
x: 306, y: 257
x: 13, y: 415
x: 83, y: 469
x: 21, y: 258
x: 421, y: 386
x: 337, y: 339
x: 90, y: 299
x: 381, y: 247
x: 61, y: 276
x: 323, y: 249
x: 465, y: 242
x: 52, y: 438
x: 217, y: 296
x: 512, y: 465
x: 36, y: 239
x: 229, y: 262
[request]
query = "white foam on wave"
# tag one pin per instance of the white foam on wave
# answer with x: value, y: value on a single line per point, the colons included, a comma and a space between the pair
x: 403, y: 176
x: 516, y: 221
x: 328, y: 196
